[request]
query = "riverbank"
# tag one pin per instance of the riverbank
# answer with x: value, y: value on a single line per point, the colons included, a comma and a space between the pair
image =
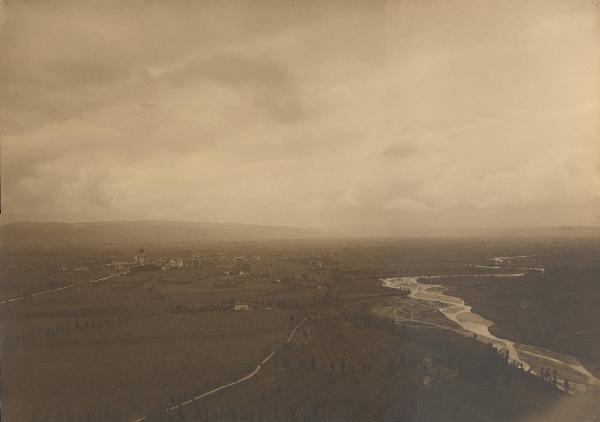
x: 562, y: 370
x: 556, y: 310
x: 547, y: 402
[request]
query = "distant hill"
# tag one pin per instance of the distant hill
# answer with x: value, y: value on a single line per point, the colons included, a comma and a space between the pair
x: 526, y: 232
x: 39, y: 235
x: 24, y: 235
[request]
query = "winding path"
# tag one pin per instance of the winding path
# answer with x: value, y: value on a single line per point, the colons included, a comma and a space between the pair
x: 57, y: 289
x: 231, y: 384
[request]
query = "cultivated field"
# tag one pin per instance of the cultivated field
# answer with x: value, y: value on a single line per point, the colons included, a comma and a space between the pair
x: 139, y: 342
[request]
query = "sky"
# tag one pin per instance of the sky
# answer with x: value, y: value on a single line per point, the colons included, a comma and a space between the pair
x: 354, y: 116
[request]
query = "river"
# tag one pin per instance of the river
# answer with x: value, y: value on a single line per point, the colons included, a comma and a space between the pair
x: 531, y: 357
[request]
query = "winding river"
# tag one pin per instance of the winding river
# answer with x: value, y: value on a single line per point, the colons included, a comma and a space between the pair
x: 530, y: 357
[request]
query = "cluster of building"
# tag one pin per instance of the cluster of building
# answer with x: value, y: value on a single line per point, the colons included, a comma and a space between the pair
x: 141, y: 262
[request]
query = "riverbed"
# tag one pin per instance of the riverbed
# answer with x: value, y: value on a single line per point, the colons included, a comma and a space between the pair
x: 530, y: 357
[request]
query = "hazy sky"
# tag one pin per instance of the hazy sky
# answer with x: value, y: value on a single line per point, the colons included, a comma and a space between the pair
x: 362, y: 116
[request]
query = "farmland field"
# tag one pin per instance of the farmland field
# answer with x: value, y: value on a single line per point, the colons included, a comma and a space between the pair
x: 335, y: 344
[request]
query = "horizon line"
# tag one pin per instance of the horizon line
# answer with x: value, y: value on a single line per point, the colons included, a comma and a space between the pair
x: 566, y: 227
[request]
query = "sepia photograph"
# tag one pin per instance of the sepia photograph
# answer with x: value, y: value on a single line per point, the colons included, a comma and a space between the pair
x: 299, y: 210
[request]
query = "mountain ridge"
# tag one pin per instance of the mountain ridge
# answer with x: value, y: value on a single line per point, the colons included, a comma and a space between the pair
x: 31, y: 234
x: 46, y: 234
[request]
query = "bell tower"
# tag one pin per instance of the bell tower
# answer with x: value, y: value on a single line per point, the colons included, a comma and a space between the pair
x: 140, y: 258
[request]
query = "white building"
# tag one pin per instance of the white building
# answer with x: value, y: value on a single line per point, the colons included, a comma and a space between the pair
x: 241, y: 307
x: 140, y: 258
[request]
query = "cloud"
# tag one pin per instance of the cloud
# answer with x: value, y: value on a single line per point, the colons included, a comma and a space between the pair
x: 404, y: 204
x: 325, y: 114
x: 400, y: 150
